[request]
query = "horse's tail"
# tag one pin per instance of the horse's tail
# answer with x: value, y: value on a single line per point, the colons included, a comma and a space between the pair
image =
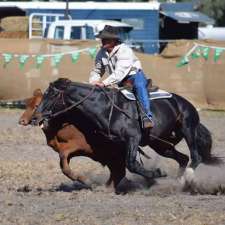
x: 204, y: 145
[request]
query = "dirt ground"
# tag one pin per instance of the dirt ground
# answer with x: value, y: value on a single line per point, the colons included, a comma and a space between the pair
x: 33, y: 190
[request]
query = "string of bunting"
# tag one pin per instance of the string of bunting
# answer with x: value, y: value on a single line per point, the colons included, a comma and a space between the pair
x: 40, y: 58
x: 199, y: 50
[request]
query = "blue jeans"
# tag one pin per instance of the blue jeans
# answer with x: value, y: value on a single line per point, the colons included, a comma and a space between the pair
x: 140, y: 87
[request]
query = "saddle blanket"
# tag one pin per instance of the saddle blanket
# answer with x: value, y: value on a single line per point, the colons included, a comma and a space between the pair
x: 153, y: 95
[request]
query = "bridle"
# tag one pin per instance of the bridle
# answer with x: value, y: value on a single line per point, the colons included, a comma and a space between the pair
x: 74, y: 105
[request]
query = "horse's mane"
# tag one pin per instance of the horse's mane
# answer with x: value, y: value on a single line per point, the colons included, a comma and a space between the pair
x: 63, y: 83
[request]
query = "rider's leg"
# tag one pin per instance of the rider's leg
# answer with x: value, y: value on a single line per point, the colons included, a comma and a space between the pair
x: 140, y: 87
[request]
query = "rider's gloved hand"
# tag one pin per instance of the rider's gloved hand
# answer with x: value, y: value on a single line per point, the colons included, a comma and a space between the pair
x: 98, y: 83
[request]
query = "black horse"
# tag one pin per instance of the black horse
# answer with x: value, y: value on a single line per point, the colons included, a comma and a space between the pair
x: 118, y: 119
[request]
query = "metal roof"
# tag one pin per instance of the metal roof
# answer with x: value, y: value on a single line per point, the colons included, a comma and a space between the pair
x: 85, y: 5
x: 187, y: 17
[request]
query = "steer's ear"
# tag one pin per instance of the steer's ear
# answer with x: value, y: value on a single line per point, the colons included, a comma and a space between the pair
x: 37, y: 92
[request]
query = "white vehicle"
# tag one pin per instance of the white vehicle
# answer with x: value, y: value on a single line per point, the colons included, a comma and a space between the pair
x: 210, y: 32
x: 84, y: 29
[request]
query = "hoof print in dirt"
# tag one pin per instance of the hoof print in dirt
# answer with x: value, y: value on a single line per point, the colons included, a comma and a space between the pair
x: 25, y: 188
x: 75, y: 186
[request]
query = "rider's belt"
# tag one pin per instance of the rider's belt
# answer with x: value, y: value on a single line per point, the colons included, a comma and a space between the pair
x: 126, y: 81
x: 133, y: 71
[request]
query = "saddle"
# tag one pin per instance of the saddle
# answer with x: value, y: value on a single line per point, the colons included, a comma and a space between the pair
x: 154, y: 91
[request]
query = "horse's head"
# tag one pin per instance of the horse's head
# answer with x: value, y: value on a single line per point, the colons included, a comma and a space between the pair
x: 31, y: 105
x: 52, y: 101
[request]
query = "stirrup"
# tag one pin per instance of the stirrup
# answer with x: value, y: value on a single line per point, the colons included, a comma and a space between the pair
x: 147, y: 123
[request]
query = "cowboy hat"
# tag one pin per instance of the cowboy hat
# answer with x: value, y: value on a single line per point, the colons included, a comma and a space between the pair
x: 108, y: 32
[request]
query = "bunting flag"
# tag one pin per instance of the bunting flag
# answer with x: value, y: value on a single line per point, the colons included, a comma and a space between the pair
x: 197, y: 53
x: 183, y: 61
x: 205, y: 53
x: 217, y: 53
x: 57, y: 59
x: 39, y: 59
x: 75, y: 56
x: 199, y: 50
x: 7, y: 58
x: 22, y: 60
x: 92, y: 52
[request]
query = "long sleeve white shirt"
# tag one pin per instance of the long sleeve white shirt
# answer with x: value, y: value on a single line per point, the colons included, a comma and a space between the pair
x: 117, y: 64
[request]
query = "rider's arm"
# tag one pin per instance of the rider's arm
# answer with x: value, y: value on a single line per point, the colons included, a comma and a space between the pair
x: 122, y: 68
x: 98, y: 70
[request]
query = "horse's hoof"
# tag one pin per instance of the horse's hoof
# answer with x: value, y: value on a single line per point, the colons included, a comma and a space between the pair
x: 150, y: 182
x: 189, y: 174
x: 118, y: 191
x: 123, y: 186
x: 84, y: 186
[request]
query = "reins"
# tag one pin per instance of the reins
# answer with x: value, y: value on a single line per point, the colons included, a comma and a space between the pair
x: 85, y: 98
x: 75, y: 104
x: 114, y: 105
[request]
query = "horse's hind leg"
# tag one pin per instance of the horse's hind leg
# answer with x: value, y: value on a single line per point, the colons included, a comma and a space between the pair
x: 169, y: 151
x: 190, y: 138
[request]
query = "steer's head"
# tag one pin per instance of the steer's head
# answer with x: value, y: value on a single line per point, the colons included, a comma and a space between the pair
x: 31, y: 106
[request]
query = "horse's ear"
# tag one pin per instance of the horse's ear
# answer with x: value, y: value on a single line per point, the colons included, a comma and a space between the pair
x: 37, y: 92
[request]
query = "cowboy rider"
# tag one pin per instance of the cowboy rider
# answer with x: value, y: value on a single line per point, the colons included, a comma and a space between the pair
x: 120, y: 62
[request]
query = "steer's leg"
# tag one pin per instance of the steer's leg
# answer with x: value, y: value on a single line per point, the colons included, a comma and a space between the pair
x: 64, y: 164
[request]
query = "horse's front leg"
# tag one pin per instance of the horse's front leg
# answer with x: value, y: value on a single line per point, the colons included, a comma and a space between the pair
x: 134, y: 166
x: 64, y: 165
x: 117, y: 170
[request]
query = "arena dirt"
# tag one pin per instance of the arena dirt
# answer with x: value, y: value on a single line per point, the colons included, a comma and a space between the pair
x: 33, y: 191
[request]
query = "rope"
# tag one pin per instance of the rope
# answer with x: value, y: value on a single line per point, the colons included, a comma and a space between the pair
x: 116, y: 106
x: 75, y: 104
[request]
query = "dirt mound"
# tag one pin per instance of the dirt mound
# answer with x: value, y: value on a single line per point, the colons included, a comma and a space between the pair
x: 15, y: 23
x: 14, y: 34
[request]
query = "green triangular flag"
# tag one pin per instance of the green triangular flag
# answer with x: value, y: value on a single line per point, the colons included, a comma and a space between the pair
x: 75, y: 56
x: 196, y: 54
x: 57, y: 59
x: 92, y: 52
x: 22, y: 60
x: 205, y: 52
x: 217, y: 53
x: 183, y: 61
x: 7, y: 58
x: 39, y: 60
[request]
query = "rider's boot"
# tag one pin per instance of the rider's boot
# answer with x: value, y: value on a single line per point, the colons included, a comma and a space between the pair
x: 147, y: 122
